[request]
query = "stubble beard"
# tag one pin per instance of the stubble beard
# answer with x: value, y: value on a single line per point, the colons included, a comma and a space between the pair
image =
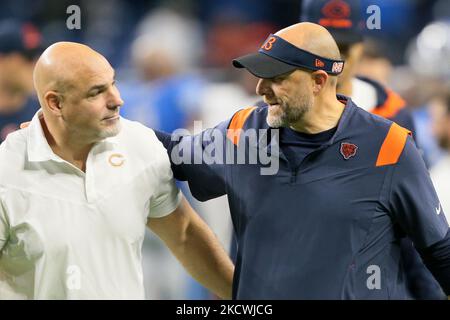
x: 285, y: 114
x: 110, y: 131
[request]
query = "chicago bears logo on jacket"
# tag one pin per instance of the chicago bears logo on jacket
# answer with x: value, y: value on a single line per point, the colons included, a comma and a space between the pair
x: 348, y: 150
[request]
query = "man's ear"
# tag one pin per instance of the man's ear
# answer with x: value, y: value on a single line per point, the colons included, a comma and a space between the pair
x: 320, y: 79
x: 53, y: 100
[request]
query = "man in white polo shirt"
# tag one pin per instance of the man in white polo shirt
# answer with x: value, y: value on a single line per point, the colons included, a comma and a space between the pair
x: 78, y: 187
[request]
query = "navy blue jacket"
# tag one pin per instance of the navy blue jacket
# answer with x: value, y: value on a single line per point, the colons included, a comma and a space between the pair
x: 330, y: 229
x: 421, y: 283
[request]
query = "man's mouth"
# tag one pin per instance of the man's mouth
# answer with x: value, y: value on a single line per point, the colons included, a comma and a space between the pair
x: 271, y: 102
x: 113, y: 117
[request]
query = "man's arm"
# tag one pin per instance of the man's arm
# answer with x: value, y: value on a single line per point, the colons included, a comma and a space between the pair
x: 416, y: 207
x: 187, y: 236
x: 436, y: 258
x: 196, y: 247
x: 3, y: 223
x: 199, y: 160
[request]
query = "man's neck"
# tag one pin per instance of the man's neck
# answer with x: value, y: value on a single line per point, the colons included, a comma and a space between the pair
x: 324, y: 115
x: 345, y: 88
x: 68, y: 148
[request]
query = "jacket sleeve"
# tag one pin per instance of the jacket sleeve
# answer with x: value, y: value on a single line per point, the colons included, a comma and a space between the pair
x: 3, y: 223
x: 415, y: 206
x: 199, y: 159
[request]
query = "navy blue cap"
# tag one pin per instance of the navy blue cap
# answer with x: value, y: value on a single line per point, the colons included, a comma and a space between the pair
x: 19, y: 37
x: 342, y: 18
x: 278, y: 56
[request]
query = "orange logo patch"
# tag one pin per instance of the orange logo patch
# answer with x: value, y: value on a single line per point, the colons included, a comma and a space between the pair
x: 319, y: 63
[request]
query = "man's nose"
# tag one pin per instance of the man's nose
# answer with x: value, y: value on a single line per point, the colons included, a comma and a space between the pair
x: 115, y: 99
x: 262, y: 87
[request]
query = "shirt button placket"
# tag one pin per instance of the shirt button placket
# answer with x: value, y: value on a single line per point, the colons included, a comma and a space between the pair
x: 91, y: 194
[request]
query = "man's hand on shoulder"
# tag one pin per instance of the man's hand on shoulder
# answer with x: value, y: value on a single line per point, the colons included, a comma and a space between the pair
x: 24, y: 125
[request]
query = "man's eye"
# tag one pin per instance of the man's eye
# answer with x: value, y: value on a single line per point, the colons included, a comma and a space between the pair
x: 278, y: 79
x: 96, y: 92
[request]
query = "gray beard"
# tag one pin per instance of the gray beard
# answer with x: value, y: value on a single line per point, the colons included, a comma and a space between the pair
x: 111, y: 132
x: 285, y: 119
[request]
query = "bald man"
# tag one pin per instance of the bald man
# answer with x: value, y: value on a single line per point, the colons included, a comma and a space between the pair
x: 79, y: 185
x: 320, y: 191
x: 373, y: 97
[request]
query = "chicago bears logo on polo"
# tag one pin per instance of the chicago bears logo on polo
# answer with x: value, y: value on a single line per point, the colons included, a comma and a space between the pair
x: 348, y: 150
x: 116, y: 160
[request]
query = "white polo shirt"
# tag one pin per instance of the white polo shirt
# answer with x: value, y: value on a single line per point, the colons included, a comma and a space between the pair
x: 66, y: 234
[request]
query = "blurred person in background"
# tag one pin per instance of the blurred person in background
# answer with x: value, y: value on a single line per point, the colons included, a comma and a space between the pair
x: 164, y: 54
x: 19, y: 48
x: 426, y: 75
x: 440, y: 172
x: 373, y: 63
x: 418, y: 89
x: 345, y: 22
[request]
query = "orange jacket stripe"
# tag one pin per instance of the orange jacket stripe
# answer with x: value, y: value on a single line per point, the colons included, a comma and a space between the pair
x: 393, y: 104
x: 393, y: 145
x: 237, y: 123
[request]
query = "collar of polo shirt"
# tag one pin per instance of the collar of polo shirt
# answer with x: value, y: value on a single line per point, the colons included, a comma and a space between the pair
x: 37, y: 145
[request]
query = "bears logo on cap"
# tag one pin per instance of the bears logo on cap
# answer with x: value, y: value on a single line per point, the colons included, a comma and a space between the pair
x: 337, y: 14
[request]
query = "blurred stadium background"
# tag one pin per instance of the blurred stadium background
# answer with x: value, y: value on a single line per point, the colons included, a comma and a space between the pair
x: 173, y: 65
